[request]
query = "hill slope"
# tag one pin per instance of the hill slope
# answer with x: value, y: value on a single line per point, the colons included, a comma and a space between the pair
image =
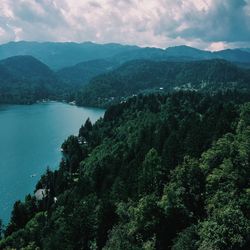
x: 24, y: 79
x: 158, y: 172
x: 139, y: 76
x: 26, y: 67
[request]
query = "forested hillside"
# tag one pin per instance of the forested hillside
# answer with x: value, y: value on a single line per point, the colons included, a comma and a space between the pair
x: 139, y: 76
x: 157, y: 172
x: 24, y: 80
x: 113, y: 72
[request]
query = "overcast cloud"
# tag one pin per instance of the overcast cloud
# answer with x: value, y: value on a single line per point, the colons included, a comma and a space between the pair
x: 206, y: 24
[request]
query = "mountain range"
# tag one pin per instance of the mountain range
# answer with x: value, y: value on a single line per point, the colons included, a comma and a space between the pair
x: 60, y: 55
x: 82, y: 72
x: 98, y: 74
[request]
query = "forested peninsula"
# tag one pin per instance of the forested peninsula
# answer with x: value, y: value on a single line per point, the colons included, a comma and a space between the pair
x: 159, y: 171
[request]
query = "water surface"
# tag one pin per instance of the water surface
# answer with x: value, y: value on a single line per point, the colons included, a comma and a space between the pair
x: 30, y: 140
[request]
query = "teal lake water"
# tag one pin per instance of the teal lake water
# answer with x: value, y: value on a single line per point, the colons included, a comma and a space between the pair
x: 30, y: 140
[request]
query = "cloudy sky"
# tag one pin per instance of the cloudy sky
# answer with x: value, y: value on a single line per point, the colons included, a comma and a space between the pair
x: 205, y: 24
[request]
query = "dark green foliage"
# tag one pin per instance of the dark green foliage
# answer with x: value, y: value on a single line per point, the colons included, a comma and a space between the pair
x: 228, y: 228
x: 21, y: 214
x: 187, y: 239
x: 157, y: 172
x: 74, y: 153
x: 31, y: 233
x: 152, y: 173
x: 1, y: 229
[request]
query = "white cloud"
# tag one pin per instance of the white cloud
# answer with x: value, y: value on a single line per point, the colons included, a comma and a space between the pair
x: 217, y: 46
x: 208, y: 24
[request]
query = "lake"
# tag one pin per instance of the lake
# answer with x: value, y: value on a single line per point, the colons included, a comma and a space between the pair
x: 30, y: 140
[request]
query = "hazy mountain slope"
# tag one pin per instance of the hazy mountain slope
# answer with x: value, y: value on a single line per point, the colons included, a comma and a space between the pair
x: 59, y: 55
x: 4, y: 75
x: 81, y: 73
x: 245, y: 49
x: 187, y: 51
x: 26, y: 67
x: 235, y: 55
x: 183, y: 53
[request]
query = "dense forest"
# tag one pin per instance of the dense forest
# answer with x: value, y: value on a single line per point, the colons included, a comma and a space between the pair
x: 136, y: 77
x: 159, y: 171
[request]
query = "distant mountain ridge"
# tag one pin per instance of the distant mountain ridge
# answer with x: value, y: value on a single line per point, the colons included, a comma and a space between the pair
x: 61, y: 55
x: 187, y: 51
